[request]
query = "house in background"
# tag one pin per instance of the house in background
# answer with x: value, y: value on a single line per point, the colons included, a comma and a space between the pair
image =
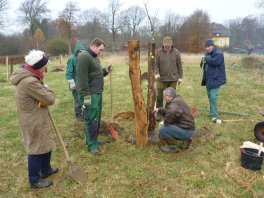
x: 220, y: 34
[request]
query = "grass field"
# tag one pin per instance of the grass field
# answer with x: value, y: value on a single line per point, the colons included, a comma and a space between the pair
x: 209, y: 168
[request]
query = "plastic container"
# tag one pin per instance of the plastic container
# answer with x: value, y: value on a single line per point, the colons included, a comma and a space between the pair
x: 250, y: 158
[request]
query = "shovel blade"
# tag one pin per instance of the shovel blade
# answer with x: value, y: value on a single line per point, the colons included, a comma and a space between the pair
x: 77, y: 174
x: 113, y: 131
x: 193, y: 111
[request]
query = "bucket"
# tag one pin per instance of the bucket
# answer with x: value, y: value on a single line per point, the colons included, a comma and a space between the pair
x: 250, y: 158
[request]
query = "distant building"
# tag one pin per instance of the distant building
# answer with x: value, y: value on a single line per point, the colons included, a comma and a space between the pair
x: 220, y: 34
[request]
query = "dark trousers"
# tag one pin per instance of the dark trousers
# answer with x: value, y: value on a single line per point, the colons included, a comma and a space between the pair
x: 38, y: 164
x: 161, y: 86
x: 77, y: 105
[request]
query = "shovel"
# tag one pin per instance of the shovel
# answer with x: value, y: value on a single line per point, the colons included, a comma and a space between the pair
x: 75, y: 172
x: 260, y: 148
x: 110, y: 126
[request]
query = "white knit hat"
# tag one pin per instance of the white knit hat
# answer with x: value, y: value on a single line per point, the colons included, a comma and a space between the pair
x: 36, y: 59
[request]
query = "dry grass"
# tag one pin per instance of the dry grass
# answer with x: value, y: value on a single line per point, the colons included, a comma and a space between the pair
x: 210, y: 168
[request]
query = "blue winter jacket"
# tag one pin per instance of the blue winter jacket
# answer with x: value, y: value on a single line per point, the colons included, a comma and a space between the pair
x: 214, y: 71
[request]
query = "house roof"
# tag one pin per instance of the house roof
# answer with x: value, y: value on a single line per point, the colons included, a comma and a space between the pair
x: 218, y: 29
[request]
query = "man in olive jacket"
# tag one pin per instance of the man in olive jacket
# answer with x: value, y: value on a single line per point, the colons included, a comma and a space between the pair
x: 33, y: 99
x: 168, y: 68
x: 90, y: 84
x: 178, y: 121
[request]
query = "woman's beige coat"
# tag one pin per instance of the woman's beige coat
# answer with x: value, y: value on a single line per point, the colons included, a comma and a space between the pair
x: 34, y: 120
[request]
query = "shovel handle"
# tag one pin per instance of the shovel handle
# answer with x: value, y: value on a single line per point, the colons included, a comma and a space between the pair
x: 260, y: 148
x: 60, y: 138
x: 111, y: 96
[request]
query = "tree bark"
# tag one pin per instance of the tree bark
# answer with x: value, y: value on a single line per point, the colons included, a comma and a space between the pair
x: 141, y: 122
x: 151, y: 87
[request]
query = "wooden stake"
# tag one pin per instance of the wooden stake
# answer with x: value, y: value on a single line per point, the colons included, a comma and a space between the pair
x: 151, y: 87
x: 141, y: 122
x: 7, y: 69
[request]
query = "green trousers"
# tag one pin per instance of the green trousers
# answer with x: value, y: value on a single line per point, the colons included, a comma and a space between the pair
x: 92, y: 115
x: 213, y: 101
x: 161, y: 86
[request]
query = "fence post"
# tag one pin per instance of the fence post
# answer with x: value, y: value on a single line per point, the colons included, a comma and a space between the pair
x: 61, y: 59
x: 141, y: 122
x: 7, y: 69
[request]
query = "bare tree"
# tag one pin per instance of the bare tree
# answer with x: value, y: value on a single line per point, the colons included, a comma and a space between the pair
x: 111, y: 19
x: 152, y: 20
x: 32, y: 11
x: 3, y: 8
x: 92, y: 15
x: 249, y: 28
x: 67, y: 21
x: 132, y: 18
x: 91, y: 23
x: 194, y: 31
x: 234, y: 26
x: 171, y: 25
x: 261, y: 3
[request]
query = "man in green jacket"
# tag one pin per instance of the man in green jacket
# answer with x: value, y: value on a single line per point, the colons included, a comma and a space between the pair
x: 71, y: 75
x: 168, y: 69
x: 90, y: 84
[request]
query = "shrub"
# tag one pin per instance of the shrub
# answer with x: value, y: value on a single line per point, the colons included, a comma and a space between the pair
x: 57, y: 46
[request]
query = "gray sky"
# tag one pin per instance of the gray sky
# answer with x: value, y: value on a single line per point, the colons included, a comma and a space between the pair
x: 219, y: 11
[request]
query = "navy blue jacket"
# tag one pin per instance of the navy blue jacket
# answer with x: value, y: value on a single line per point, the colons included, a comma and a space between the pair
x: 214, y: 72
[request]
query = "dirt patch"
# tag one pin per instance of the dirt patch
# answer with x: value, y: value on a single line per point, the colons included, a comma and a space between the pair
x: 145, y: 76
x: 104, y: 129
x: 124, y: 116
x: 252, y: 62
x: 2, y: 81
x: 203, y: 131
x: 57, y: 68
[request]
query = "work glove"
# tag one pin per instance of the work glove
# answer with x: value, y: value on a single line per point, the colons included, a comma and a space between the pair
x: 87, y: 101
x: 72, y: 84
x: 41, y: 104
x: 203, y: 61
x: 157, y: 76
x: 109, y: 68
x: 179, y: 81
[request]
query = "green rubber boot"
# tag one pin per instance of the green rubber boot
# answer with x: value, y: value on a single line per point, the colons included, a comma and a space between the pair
x: 185, y: 144
x: 171, y: 146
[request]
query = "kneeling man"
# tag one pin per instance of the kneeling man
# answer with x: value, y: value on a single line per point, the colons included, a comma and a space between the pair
x: 178, y: 123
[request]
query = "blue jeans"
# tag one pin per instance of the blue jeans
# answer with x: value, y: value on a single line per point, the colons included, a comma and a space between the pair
x: 213, y: 100
x: 175, y: 131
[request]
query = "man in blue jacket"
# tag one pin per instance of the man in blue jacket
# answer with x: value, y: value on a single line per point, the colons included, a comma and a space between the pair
x: 214, y: 76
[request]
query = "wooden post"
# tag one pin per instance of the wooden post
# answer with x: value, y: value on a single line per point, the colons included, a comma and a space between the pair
x: 61, y: 59
x: 11, y: 69
x: 7, y: 69
x: 141, y: 122
x: 151, y: 87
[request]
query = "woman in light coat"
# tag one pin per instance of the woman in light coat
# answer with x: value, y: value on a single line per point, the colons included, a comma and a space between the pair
x: 33, y: 99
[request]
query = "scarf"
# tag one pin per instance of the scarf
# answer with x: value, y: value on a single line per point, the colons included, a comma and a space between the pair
x: 36, y: 72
